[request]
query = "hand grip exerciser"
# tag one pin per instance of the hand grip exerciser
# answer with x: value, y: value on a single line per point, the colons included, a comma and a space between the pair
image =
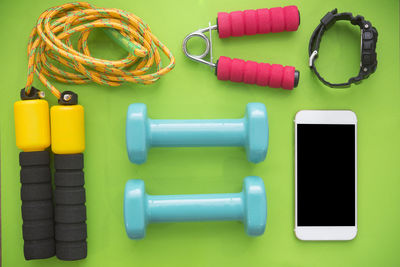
x: 68, y: 144
x: 248, y: 206
x: 32, y: 131
x: 250, y: 22
x: 250, y: 132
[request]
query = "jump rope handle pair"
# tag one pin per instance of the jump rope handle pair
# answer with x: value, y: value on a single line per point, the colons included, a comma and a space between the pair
x: 60, y: 229
x: 251, y: 22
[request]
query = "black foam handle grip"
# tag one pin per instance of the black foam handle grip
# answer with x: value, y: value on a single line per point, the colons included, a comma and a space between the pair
x: 70, y: 209
x: 37, y: 205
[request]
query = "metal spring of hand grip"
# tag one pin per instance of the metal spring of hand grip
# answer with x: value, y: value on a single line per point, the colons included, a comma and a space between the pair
x: 208, y: 41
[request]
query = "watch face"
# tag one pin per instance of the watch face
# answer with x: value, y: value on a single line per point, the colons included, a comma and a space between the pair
x: 369, y: 37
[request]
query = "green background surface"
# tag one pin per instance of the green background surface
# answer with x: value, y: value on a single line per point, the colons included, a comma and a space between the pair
x: 192, y: 91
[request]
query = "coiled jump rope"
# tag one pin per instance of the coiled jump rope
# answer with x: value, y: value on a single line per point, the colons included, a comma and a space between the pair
x: 61, y: 230
x: 50, y: 39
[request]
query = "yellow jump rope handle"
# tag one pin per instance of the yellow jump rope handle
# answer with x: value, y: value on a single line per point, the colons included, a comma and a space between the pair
x: 68, y: 144
x: 32, y: 132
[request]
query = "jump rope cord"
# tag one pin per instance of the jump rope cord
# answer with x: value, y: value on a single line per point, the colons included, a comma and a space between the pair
x: 50, y: 42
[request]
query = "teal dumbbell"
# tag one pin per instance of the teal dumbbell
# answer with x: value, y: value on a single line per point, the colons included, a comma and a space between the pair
x: 251, y: 132
x: 248, y: 206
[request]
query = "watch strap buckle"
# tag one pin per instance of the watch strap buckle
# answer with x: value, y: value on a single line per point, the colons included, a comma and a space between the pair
x: 312, y: 57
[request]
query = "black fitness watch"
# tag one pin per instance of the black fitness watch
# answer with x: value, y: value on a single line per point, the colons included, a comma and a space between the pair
x: 369, y: 38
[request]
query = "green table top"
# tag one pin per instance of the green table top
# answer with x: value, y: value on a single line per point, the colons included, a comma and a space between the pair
x: 192, y: 91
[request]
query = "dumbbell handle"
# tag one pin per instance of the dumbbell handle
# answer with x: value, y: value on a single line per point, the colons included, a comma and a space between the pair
x: 196, y: 133
x: 201, y: 207
x: 260, y: 21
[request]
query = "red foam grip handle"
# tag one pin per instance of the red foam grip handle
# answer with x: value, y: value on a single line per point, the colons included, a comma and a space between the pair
x: 250, y: 72
x: 259, y: 21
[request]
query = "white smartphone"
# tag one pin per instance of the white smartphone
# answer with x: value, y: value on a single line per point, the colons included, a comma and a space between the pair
x: 325, y: 175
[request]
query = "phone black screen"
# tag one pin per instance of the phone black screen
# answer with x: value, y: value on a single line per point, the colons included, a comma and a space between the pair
x: 326, y: 175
